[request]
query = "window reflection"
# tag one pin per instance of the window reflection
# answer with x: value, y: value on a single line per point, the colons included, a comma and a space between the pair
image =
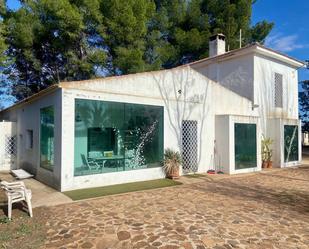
x: 245, y: 146
x: 47, y: 137
x: 112, y: 136
x: 290, y: 143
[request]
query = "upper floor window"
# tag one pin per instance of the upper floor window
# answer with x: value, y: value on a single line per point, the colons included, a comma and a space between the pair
x: 278, y: 90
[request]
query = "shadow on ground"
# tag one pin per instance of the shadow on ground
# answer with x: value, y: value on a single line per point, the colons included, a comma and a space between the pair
x: 271, y: 188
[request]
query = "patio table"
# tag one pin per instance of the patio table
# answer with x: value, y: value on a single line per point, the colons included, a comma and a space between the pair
x: 104, y: 159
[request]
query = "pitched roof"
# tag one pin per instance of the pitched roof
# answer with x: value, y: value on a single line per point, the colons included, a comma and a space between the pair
x: 257, y: 48
x: 251, y: 48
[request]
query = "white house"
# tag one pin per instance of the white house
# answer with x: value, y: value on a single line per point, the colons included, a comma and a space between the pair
x: 114, y: 130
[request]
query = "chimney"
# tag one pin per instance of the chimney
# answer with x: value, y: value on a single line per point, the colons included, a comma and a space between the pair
x: 216, y: 45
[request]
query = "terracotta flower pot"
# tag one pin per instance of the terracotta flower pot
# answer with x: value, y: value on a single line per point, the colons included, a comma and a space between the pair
x: 174, y: 174
x: 269, y: 164
x: 264, y: 164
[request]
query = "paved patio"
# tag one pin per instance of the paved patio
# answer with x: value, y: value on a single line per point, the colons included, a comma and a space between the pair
x: 261, y: 210
x: 42, y: 195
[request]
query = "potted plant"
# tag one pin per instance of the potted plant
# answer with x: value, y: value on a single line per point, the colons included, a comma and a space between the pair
x: 264, y: 159
x: 266, y: 153
x: 171, y: 163
x: 269, y: 161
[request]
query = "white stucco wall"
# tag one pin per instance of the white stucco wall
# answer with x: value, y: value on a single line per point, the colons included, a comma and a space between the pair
x: 234, y: 73
x: 27, y: 117
x: 264, y: 71
x: 272, y: 119
x: 204, y: 99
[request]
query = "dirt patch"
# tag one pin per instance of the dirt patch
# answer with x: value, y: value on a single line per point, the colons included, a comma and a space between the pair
x: 22, y: 231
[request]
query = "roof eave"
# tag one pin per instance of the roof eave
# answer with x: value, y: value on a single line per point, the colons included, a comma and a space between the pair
x: 252, y: 48
x: 279, y: 56
x: 33, y: 97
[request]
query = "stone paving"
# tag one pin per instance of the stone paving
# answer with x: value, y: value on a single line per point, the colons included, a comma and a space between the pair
x: 256, y: 211
x: 42, y: 195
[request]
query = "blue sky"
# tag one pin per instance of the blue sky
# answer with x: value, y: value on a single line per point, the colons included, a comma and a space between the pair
x: 291, y: 32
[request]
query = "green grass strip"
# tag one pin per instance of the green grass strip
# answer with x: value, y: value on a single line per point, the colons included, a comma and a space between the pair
x: 194, y: 176
x: 81, y: 194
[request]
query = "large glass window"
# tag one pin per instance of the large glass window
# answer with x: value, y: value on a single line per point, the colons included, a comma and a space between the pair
x: 290, y: 143
x: 47, y: 137
x: 112, y: 136
x: 245, y: 146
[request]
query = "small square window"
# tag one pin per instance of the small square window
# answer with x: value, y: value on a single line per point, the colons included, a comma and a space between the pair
x: 29, y: 139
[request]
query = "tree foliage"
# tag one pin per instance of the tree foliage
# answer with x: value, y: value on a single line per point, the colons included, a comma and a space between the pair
x: 48, y: 41
x: 52, y: 41
x: 304, y: 104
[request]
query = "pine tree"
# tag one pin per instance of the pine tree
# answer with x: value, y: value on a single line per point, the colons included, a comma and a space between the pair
x: 187, y: 26
x: 3, y: 45
x: 48, y: 41
x: 126, y: 31
x: 304, y: 104
x: 52, y: 41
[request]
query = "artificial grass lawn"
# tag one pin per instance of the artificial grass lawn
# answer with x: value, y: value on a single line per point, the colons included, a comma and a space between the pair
x: 119, y: 188
x: 195, y: 176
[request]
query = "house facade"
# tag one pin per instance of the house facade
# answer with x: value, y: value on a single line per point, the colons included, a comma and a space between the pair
x: 114, y: 130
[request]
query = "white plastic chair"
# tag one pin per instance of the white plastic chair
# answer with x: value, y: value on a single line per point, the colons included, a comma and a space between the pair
x: 16, y: 192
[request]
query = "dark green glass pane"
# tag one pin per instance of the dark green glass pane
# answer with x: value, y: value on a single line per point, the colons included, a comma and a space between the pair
x: 290, y: 143
x: 47, y: 127
x: 245, y: 146
x: 112, y: 136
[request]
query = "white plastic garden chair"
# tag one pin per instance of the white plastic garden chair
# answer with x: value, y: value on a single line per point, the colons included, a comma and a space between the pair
x: 16, y: 192
x: 90, y: 163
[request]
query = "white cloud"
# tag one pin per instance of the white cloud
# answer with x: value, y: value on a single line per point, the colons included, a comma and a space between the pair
x: 284, y: 43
